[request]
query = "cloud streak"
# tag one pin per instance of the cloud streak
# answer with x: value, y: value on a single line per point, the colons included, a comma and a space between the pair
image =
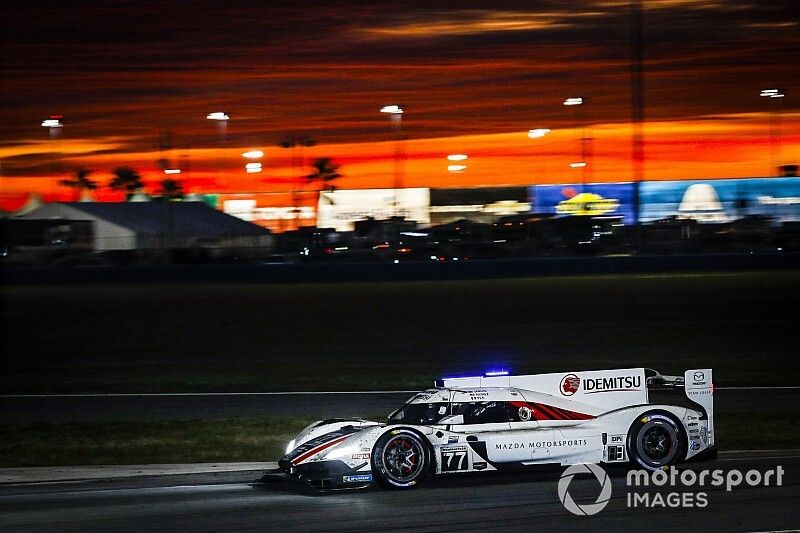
x: 124, y: 74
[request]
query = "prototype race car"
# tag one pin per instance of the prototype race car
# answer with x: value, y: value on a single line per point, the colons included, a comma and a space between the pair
x: 496, y: 422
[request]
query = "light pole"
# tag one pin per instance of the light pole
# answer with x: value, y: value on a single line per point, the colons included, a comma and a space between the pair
x: 538, y: 133
x: 298, y: 163
x: 577, y: 102
x: 637, y: 107
x: 395, y: 113
x: 221, y: 119
x: 776, y: 97
x: 56, y: 127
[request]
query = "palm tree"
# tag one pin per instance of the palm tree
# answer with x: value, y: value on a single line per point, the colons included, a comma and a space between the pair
x: 171, y: 189
x: 325, y: 172
x: 126, y: 179
x: 81, y: 182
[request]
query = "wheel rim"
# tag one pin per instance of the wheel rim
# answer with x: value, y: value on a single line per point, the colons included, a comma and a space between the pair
x: 657, y: 443
x: 402, y: 458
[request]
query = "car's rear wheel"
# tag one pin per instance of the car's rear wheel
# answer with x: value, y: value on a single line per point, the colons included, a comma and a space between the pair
x: 655, y: 440
x: 400, y: 459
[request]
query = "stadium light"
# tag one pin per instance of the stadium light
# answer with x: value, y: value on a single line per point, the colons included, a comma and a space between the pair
x: 538, y: 133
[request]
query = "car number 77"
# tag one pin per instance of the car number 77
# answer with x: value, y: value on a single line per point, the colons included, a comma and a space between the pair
x: 453, y: 461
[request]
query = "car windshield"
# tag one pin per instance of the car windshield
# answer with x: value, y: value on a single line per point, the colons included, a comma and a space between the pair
x: 420, y: 413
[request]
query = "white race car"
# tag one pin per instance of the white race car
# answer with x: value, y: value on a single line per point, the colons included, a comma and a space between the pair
x: 496, y: 422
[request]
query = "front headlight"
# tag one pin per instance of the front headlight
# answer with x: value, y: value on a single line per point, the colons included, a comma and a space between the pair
x: 290, y: 446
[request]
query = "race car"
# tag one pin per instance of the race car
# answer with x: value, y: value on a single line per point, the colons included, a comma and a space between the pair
x: 499, y: 421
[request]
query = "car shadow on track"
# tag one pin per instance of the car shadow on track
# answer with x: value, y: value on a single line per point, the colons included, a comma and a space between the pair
x: 533, y: 474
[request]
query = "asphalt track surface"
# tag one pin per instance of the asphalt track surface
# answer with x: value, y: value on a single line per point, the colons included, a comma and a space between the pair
x: 89, y: 408
x: 501, y: 502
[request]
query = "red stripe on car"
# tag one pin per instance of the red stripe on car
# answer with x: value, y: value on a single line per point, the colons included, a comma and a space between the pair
x: 550, y: 412
x: 314, y: 451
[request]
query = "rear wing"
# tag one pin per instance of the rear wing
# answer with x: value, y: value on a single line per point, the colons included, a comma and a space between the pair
x: 696, y: 385
x: 699, y: 387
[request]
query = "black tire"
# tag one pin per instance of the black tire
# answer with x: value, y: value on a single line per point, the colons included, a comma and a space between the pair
x: 656, y: 440
x: 400, y: 459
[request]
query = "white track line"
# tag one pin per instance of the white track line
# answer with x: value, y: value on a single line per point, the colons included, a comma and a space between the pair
x: 787, y: 387
x: 126, y: 395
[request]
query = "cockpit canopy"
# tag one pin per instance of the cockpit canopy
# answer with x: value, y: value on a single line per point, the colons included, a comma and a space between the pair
x: 463, y: 406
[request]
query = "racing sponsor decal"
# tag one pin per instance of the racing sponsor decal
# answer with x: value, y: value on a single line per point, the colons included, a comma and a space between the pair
x: 558, y: 443
x: 357, y: 478
x: 360, y: 456
x: 511, y: 445
x: 478, y: 395
x: 569, y: 384
x: 540, y: 444
x: 614, y: 384
x: 479, y: 465
x: 699, y: 383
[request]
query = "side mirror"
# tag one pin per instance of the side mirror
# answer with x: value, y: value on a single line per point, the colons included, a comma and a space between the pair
x: 452, y: 419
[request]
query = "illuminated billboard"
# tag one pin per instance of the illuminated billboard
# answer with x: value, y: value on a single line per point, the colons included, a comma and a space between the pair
x: 477, y: 204
x: 715, y: 201
x: 593, y: 199
x: 340, y: 209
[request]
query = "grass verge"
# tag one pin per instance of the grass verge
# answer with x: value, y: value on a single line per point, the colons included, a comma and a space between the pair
x: 261, y: 439
x: 358, y: 336
x: 174, y: 441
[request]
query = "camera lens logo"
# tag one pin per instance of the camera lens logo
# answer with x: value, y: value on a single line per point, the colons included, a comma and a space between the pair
x: 587, y: 509
x: 570, y: 384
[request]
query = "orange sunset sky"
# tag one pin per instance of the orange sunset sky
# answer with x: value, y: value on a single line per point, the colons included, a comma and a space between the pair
x: 135, y: 83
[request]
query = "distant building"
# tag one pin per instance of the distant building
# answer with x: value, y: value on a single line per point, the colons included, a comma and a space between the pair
x: 158, y: 225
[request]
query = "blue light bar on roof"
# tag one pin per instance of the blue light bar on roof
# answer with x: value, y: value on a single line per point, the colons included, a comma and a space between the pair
x: 460, y: 376
x: 492, y: 373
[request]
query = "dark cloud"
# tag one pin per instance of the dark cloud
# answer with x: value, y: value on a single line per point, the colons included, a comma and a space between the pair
x: 136, y: 69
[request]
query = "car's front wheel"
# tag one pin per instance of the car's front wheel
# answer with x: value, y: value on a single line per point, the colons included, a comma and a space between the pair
x: 400, y: 459
x: 655, y: 440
